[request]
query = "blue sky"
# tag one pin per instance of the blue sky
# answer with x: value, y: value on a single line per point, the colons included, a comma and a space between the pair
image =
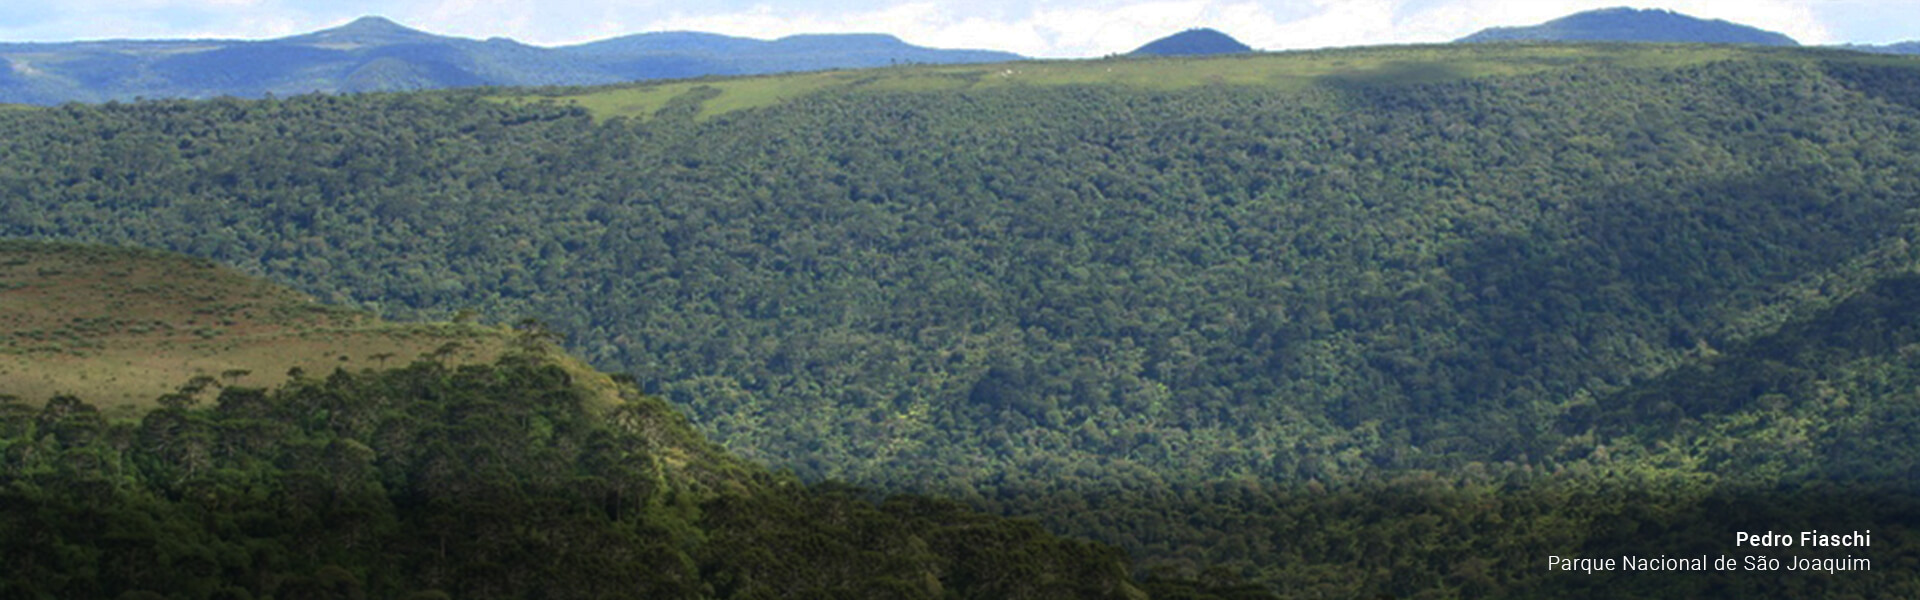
x: 1045, y: 28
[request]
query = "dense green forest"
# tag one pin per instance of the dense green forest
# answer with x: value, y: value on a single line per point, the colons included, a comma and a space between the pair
x: 1404, y: 329
x: 496, y: 481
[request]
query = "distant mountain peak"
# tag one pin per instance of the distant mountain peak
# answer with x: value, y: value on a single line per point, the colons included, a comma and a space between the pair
x: 370, y: 29
x: 862, y: 37
x: 1199, y: 40
x: 1893, y: 48
x: 372, y: 22
x: 373, y: 53
x: 841, y: 41
x: 1623, y: 24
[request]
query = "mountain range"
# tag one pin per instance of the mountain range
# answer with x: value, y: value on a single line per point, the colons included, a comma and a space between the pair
x: 1633, y: 25
x: 1894, y: 48
x: 376, y: 54
x: 1657, y: 26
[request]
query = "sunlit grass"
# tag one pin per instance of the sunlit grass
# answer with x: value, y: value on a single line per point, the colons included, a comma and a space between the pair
x: 1284, y: 71
x: 119, y: 328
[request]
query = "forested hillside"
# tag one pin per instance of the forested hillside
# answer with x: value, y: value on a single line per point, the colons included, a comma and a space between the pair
x: 523, y: 477
x: 1240, y: 317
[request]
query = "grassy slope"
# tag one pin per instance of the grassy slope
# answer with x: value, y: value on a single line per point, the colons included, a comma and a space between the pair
x: 1286, y: 71
x: 121, y: 327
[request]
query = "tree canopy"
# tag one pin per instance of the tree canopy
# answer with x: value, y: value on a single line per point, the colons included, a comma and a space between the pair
x: 1213, y: 325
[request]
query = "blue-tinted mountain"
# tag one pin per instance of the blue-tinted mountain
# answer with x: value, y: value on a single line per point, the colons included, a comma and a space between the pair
x: 1894, y: 48
x: 692, y: 54
x: 1633, y: 25
x: 1193, y: 42
x: 376, y: 54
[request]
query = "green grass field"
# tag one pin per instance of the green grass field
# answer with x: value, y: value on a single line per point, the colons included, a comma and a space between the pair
x: 119, y: 327
x: 1384, y: 65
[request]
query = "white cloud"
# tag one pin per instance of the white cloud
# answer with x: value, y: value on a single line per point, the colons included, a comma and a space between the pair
x: 1332, y: 23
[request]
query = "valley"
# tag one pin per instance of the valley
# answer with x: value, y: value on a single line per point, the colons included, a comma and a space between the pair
x: 1375, y: 321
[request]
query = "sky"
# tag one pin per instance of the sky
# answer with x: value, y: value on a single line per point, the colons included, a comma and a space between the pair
x: 1037, y: 28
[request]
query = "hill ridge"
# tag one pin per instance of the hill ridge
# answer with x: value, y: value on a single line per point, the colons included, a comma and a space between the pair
x: 1624, y: 24
x: 373, y: 53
